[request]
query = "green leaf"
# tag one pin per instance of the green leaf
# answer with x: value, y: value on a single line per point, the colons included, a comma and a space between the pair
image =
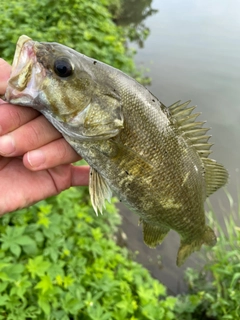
x: 56, y: 269
x: 235, y: 279
x: 20, y: 287
x: 25, y: 240
x: 37, y: 266
x: 3, y: 299
x: 15, y: 232
x: 15, y: 249
x: 3, y: 286
x: 44, y: 305
x: 4, y: 276
x: 4, y: 265
x: 39, y: 236
x: 71, y: 304
x: 14, y: 271
x: 30, y: 250
x: 45, y: 285
x: 67, y: 281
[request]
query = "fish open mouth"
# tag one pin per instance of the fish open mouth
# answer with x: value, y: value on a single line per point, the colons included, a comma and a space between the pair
x: 25, y: 73
x: 19, y: 48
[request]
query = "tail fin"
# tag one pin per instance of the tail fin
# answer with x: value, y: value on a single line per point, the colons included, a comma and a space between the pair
x: 187, y: 247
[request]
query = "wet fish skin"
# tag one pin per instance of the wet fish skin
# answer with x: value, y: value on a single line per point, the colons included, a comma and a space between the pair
x: 153, y: 157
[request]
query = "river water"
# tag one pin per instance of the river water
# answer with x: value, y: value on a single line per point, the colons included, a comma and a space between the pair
x: 193, y: 52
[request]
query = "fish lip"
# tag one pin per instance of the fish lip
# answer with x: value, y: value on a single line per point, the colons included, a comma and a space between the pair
x: 20, y: 89
x: 19, y: 46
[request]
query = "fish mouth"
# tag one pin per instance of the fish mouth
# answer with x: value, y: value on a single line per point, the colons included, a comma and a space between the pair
x: 27, y: 73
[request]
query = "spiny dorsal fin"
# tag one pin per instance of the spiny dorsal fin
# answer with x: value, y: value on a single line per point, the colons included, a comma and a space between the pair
x: 216, y: 176
x: 176, y: 107
x: 99, y: 191
x: 185, y: 120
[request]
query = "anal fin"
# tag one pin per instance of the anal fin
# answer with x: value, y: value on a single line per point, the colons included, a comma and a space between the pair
x: 99, y: 191
x: 153, y: 235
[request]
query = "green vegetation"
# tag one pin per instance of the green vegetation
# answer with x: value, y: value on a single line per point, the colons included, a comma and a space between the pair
x: 215, y: 290
x: 86, y: 26
x: 131, y: 15
x: 58, y: 261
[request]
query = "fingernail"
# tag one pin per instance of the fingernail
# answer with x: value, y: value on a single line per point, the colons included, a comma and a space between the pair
x: 36, y: 158
x: 7, y: 145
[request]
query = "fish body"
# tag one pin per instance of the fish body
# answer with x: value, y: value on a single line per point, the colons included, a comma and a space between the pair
x: 153, y: 157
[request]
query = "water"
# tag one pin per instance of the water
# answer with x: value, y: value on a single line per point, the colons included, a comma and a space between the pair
x: 193, y: 52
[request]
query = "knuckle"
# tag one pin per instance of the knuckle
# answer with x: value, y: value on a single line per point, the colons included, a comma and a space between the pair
x: 32, y: 135
x: 15, y: 116
x: 63, y: 150
x: 65, y: 154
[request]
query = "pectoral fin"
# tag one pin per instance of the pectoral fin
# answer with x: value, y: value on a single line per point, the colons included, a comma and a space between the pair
x: 153, y: 235
x: 99, y: 191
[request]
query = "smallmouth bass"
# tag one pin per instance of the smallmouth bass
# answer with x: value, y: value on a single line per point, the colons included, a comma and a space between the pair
x: 155, y: 158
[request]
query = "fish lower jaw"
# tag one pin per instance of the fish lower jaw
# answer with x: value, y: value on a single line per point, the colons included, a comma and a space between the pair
x: 18, y: 98
x: 22, y: 97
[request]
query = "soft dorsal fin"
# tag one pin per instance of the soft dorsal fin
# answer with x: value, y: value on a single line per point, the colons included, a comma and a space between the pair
x: 99, y: 191
x: 216, y: 176
x: 182, y: 115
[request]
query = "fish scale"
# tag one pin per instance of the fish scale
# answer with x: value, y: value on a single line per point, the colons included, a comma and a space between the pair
x: 154, y: 158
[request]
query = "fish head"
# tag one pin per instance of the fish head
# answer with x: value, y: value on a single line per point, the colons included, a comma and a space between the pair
x: 67, y: 87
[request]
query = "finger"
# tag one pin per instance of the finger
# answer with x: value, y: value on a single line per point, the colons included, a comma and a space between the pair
x: 63, y: 178
x: 23, y: 187
x: 4, y: 162
x: 4, y: 75
x: 31, y: 136
x: 80, y: 175
x: 13, y: 117
x: 51, y: 155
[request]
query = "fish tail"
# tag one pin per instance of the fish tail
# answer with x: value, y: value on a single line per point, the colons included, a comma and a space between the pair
x: 188, y: 247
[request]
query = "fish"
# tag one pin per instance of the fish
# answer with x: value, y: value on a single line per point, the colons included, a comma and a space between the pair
x: 153, y: 157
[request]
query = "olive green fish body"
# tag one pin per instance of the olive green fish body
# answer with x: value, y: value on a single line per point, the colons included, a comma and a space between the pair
x: 152, y: 168
x: 154, y: 158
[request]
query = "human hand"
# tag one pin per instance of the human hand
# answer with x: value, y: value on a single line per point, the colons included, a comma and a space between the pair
x: 35, y: 160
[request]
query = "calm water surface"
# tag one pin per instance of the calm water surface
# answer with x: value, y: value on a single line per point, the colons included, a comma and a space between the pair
x: 193, y: 52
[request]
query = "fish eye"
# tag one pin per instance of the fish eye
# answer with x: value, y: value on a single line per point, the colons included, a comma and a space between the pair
x: 63, y: 68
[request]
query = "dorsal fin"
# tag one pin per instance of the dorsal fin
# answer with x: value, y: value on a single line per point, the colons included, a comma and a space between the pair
x: 216, y: 176
x: 182, y: 116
